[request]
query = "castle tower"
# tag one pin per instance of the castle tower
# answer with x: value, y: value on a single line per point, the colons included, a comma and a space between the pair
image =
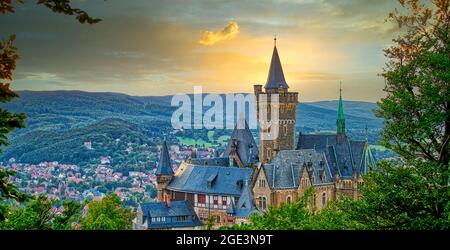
x: 340, y: 121
x: 276, y: 85
x: 164, y: 172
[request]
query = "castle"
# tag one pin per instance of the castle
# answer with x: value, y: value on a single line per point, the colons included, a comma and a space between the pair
x: 243, y: 180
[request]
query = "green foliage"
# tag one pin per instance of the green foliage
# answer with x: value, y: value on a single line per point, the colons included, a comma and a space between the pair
x: 412, y: 196
x: 35, y: 215
x: 107, y: 214
x: 71, y: 215
x: 57, y: 6
x: 411, y: 193
x: 299, y: 215
x: 109, y: 137
x: 10, y: 121
x: 210, y: 222
x: 416, y: 109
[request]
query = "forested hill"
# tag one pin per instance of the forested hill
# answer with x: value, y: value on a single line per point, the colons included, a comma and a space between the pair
x: 59, y: 122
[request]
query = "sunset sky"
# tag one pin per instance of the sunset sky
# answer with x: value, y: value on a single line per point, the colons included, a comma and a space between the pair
x: 165, y: 47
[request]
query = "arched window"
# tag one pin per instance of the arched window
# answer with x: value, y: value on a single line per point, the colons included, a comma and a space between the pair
x: 289, y: 198
x: 324, y: 199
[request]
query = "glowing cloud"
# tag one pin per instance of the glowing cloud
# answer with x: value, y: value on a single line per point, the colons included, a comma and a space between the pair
x: 209, y: 38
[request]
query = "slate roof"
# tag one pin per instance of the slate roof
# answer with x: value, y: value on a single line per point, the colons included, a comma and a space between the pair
x: 342, y: 156
x: 247, y: 149
x: 164, y: 164
x: 194, y: 179
x: 246, y: 204
x: 276, y: 75
x: 177, y: 208
x: 216, y: 161
x: 286, y: 168
x: 159, y: 209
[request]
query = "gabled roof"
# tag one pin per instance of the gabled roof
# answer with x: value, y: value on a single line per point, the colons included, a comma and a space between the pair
x: 215, y: 161
x: 342, y: 155
x: 160, y: 209
x: 164, y: 164
x: 247, y: 149
x: 276, y: 75
x: 246, y: 204
x: 177, y: 208
x: 286, y: 168
x: 194, y: 179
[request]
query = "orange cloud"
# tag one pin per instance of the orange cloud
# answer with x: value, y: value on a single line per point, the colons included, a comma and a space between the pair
x: 209, y: 38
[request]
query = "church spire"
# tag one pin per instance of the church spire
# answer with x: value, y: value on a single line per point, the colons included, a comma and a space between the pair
x: 340, y: 121
x: 276, y: 75
x: 164, y: 164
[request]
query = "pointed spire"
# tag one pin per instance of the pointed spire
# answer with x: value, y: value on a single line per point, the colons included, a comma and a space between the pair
x: 242, y: 143
x: 245, y: 204
x: 340, y: 121
x: 276, y: 75
x: 164, y: 164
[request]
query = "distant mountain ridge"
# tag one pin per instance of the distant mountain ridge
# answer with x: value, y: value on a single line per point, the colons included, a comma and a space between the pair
x: 58, y: 118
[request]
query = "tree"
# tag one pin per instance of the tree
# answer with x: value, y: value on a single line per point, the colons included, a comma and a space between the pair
x: 416, y: 113
x: 36, y: 215
x: 107, y: 214
x: 58, y: 6
x: 8, y: 57
x: 300, y: 215
x: 413, y: 192
x: 210, y: 222
x: 71, y: 214
x: 8, y: 191
x: 401, y: 196
x: 416, y: 110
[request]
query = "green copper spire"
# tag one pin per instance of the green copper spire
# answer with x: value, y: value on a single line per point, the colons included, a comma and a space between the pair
x: 340, y: 121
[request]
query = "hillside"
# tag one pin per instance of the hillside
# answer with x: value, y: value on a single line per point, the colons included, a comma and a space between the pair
x: 59, y: 122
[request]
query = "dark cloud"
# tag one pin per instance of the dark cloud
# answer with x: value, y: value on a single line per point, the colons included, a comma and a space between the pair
x: 141, y: 46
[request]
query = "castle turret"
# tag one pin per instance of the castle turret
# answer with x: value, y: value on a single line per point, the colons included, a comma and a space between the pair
x: 340, y: 121
x: 276, y: 85
x: 164, y: 172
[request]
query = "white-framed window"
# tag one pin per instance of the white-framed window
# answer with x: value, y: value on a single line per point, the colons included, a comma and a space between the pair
x: 262, y: 203
x: 324, y: 199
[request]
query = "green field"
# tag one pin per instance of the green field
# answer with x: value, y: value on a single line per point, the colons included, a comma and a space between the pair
x: 222, y: 140
x: 191, y: 142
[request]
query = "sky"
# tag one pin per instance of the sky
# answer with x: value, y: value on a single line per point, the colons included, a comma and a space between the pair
x: 166, y: 47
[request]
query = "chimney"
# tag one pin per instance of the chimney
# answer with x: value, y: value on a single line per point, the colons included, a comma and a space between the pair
x: 257, y: 89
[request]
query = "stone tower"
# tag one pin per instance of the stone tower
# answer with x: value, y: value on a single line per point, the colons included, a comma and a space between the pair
x: 164, y: 172
x: 276, y: 85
